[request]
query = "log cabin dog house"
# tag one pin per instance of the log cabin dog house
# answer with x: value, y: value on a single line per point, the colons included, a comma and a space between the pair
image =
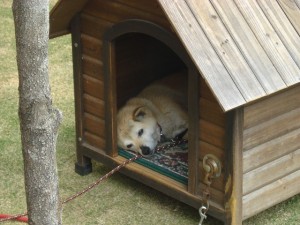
x: 243, y: 64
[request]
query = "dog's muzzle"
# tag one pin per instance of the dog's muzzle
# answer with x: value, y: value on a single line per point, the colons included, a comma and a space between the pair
x: 146, y: 151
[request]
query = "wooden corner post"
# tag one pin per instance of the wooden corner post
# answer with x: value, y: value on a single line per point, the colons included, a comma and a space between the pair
x: 234, y: 168
x: 83, y: 165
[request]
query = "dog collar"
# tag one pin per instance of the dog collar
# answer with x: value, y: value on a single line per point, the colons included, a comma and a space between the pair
x: 162, y: 136
x: 160, y: 129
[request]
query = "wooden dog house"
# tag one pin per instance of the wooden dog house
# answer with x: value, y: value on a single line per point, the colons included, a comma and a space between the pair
x: 243, y: 64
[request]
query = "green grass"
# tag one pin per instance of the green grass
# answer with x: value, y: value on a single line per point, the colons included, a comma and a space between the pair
x: 119, y: 200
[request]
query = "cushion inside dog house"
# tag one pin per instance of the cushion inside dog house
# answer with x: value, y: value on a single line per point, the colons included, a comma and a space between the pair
x: 171, y: 162
x: 243, y: 62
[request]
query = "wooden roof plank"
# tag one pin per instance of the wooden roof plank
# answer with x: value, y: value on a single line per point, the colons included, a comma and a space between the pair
x: 251, y: 49
x: 202, y: 53
x: 269, y: 40
x: 283, y: 27
x: 292, y: 10
x: 251, y: 52
x: 226, y: 49
x: 62, y: 14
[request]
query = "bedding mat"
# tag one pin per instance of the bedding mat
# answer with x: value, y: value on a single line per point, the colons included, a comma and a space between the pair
x: 172, y: 162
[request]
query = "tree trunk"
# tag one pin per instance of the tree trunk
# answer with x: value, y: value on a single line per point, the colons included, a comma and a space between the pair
x: 39, y: 121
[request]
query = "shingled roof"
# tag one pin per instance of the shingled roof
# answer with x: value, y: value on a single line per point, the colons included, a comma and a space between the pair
x: 244, y: 50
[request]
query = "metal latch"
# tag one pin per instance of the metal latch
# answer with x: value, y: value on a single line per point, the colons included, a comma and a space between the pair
x: 212, y: 167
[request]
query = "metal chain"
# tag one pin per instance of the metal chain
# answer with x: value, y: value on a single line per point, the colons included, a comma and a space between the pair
x: 173, y: 143
x: 158, y: 148
x: 102, y: 179
x: 205, y: 203
x: 205, y: 197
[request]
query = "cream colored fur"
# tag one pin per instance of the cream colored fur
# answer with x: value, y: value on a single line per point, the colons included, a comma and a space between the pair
x: 162, y: 104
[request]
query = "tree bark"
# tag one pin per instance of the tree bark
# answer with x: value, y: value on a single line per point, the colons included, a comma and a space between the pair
x: 39, y: 121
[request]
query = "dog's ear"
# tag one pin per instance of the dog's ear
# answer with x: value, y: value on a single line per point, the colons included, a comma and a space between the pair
x: 139, y: 113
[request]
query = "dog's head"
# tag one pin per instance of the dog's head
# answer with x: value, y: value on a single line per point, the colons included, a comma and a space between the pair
x: 138, y: 130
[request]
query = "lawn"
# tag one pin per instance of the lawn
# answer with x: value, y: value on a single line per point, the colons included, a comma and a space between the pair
x: 119, y: 200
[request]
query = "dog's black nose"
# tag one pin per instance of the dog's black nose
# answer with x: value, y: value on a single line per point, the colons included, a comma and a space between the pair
x: 145, y: 150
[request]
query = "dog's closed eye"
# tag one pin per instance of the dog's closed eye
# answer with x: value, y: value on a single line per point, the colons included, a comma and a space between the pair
x: 140, y: 133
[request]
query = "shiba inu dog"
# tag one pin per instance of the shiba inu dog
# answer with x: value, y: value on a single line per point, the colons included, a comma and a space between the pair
x: 160, y: 110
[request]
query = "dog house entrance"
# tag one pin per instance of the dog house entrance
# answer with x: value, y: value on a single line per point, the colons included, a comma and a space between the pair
x: 136, y: 58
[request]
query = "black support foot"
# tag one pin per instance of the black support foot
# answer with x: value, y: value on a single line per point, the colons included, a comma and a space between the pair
x: 83, y: 170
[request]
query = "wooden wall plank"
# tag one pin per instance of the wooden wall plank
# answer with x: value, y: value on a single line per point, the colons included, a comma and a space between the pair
x: 206, y: 148
x: 211, y: 112
x: 271, y: 150
x: 115, y: 12
x: 94, y: 140
x: 203, y: 54
x: 270, y: 172
x: 216, y: 195
x: 271, y: 129
x: 212, y: 133
x: 226, y: 49
x: 206, y: 93
x: 271, y: 194
x: 94, y: 26
x: 272, y: 106
x: 144, y: 5
x: 270, y: 41
x: 247, y: 42
x: 93, y: 87
x: 283, y: 27
x: 94, y: 125
x: 94, y: 106
x: 92, y: 67
x: 91, y: 46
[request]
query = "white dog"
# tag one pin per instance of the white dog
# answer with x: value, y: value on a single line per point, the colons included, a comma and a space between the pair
x: 159, y: 110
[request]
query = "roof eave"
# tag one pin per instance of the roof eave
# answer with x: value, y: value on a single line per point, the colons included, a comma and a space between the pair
x: 62, y: 14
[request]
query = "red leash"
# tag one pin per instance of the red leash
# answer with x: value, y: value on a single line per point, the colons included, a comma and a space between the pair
x: 20, y: 218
